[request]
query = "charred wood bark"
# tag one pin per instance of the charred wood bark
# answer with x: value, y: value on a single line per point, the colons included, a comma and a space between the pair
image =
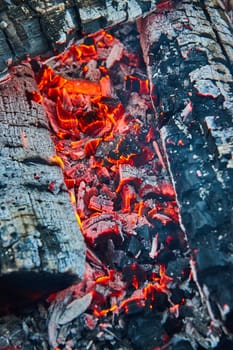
x: 189, y: 55
x: 41, y: 247
x: 37, y: 27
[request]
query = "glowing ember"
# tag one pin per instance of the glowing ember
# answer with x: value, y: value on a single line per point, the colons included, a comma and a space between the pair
x: 112, y: 165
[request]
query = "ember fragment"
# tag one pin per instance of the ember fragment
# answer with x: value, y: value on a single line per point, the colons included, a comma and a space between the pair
x: 135, y: 246
x: 134, y: 275
x: 156, y: 299
x: 163, y: 188
x: 172, y: 326
x: 101, y: 227
x: 128, y: 174
x: 135, y: 84
x: 101, y: 204
x: 128, y: 196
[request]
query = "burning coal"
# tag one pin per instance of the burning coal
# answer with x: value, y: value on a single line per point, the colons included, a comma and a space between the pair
x: 100, y: 108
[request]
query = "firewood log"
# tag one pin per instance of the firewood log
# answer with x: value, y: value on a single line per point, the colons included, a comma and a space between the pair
x: 189, y: 55
x: 41, y: 246
x: 37, y: 27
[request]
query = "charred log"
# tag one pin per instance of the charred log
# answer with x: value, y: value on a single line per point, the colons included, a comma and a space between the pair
x: 188, y: 52
x: 41, y: 247
x: 40, y: 27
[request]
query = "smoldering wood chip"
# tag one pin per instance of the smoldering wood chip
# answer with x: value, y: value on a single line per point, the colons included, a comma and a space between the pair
x: 75, y: 308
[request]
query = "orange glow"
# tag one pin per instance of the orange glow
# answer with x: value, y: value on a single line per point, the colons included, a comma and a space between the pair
x: 140, y: 208
x: 85, y: 70
x: 65, y: 118
x: 128, y: 195
x: 108, y: 38
x: 125, y: 304
x: 103, y: 69
x: 155, y: 277
x: 102, y: 280
x: 91, y: 146
x: 87, y: 50
x: 100, y: 44
x: 153, y: 212
x: 133, y: 83
x: 45, y: 78
x: 101, y: 313
x: 165, y: 280
x: 149, y: 291
x: 59, y: 146
x: 167, y: 189
x: 78, y: 220
x: 81, y: 86
x: 36, y: 96
x: 57, y: 160
x: 73, y: 51
x: 175, y: 309
x: 180, y: 143
x: 134, y: 282
x: 72, y: 197
x: 53, y: 83
x: 171, y: 210
x: 70, y: 183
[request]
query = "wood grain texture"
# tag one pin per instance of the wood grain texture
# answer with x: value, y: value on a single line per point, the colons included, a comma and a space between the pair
x: 39, y: 235
x: 188, y: 52
x: 45, y: 27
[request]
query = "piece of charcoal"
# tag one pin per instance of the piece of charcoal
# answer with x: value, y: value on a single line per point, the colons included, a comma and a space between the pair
x: 173, y: 241
x: 177, y: 295
x: 206, y: 260
x: 128, y: 174
x: 134, y: 275
x: 145, y: 333
x: 156, y: 300
x: 173, y: 325
x: 133, y: 306
x: 219, y: 284
x: 144, y: 233
x: 120, y: 259
x: 185, y: 311
x: 202, y: 219
x: 135, y: 246
x: 165, y: 256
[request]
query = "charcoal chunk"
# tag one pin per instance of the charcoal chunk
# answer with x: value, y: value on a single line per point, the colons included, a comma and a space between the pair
x: 173, y: 325
x: 177, y: 295
x: 165, y: 256
x: 145, y: 333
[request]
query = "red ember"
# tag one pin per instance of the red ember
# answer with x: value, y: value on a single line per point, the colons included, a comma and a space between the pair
x: 112, y: 164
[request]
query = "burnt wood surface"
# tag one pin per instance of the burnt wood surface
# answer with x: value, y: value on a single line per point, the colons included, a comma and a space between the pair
x: 41, y: 246
x: 37, y: 27
x: 189, y: 55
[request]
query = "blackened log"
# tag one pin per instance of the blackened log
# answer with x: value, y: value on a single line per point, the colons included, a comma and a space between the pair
x: 189, y: 56
x: 39, y: 27
x: 41, y: 246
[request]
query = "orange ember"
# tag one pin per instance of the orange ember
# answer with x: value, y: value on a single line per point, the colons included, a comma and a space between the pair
x: 112, y: 165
